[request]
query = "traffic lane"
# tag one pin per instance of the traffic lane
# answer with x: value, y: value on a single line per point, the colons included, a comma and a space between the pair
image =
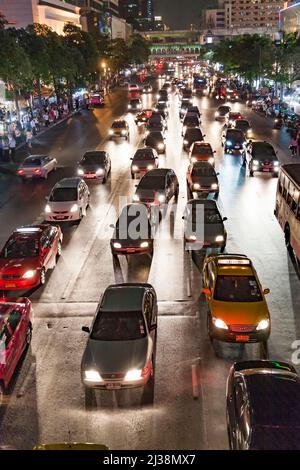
x: 49, y: 402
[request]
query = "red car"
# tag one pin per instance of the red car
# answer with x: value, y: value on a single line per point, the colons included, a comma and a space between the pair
x: 27, y: 256
x: 15, y: 336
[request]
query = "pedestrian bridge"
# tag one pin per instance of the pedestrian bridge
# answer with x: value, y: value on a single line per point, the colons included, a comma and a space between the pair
x: 171, y: 50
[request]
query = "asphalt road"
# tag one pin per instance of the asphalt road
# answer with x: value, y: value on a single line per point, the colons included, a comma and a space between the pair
x: 46, y: 399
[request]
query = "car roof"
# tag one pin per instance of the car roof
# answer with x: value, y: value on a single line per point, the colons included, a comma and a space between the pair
x: 30, y: 157
x: 69, y: 182
x: 123, y: 297
x: 95, y: 153
x: 7, y: 307
x: 233, y: 265
x: 31, y: 230
x: 156, y: 172
x: 202, y: 144
x: 207, y: 203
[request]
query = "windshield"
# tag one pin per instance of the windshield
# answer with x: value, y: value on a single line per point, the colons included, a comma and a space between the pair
x: 118, y: 326
x: 191, y: 121
x: 237, y: 289
x: 193, y: 134
x: 63, y: 195
x: 263, y: 151
x: 134, y: 102
x: 21, y: 248
x: 37, y: 161
x: 242, y: 124
x: 203, y: 171
x: 154, y: 137
x: 144, y: 155
x: 93, y: 159
x: 235, y: 135
x: 201, y: 150
x: 152, y: 182
x: 224, y: 109
x: 118, y: 125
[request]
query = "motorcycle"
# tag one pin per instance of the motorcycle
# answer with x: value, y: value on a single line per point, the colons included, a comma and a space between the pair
x: 278, y: 123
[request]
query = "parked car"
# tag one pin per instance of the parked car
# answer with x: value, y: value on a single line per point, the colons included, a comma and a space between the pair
x: 68, y: 201
x: 36, y: 166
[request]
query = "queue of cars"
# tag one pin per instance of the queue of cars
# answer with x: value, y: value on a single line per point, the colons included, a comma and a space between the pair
x: 121, y: 344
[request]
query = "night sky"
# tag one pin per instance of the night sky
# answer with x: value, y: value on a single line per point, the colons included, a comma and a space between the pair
x: 179, y: 14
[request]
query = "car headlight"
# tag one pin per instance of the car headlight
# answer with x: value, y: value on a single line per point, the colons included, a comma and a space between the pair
x: 100, y: 172
x: 255, y: 162
x: 161, y: 198
x: 92, y: 376
x: 29, y: 274
x: 139, y: 106
x: 219, y: 238
x: 211, y: 160
x: 111, y: 132
x: 135, y: 168
x: 123, y: 132
x: 133, y: 375
x: 150, y: 167
x: 47, y: 209
x: 217, y: 114
x: 161, y: 146
x: 185, y: 142
x: 276, y: 168
x: 144, y: 245
x: 214, y: 186
x: 196, y: 186
x: 80, y: 172
x: 218, y: 323
x: 147, y: 133
x: 157, y: 96
x: 129, y: 106
x: 136, y: 198
x: 192, y: 238
x: 263, y: 325
x: 194, y: 159
x: 228, y: 143
x: 74, y: 208
x: 117, y: 245
x: 276, y: 163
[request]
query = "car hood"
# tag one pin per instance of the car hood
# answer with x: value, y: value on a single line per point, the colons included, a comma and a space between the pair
x: 61, y: 206
x: 116, y: 356
x: 143, y: 163
x: 18, y: 265
x: 240, y: 313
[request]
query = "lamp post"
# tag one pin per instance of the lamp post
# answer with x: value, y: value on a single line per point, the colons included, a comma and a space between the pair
x: 104, y: 67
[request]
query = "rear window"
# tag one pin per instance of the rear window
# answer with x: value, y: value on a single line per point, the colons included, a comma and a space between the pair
x: 118, y: 326
x: 144, y: 155
x: 203, y: 171
x: 152, y: 182
x: 30, y: 162
x: 201, y: 150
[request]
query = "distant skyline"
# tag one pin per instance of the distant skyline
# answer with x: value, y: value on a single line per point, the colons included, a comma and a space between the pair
x: 180, y: 14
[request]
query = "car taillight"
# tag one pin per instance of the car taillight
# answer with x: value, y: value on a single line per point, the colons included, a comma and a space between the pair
x: 20, y: 172
x: 147, y: 369
x: 37, y: 171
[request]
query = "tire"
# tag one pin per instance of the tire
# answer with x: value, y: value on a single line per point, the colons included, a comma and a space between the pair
x: 28, y: 335
x: 132, y: 176
x: 42, y: 277
x: 90, y: 399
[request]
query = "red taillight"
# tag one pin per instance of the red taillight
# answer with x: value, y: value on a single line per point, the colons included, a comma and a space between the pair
x: 147, y: 370
x: 37, y: 171
x: 20, y: 172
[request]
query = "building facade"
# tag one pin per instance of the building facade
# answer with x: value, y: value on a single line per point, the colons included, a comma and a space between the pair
x: 289, y: 19
x: 53, y: 13
x: 146, y: 9
x: 255, y: 13
x: 129, y: 9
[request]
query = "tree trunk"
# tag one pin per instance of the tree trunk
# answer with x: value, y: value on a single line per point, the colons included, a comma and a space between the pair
x: 39, y: 90
x: 17, y: 104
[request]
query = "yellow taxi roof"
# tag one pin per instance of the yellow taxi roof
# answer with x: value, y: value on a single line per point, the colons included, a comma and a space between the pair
x: 235, y: 270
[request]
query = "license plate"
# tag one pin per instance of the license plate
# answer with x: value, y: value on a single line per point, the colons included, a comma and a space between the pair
x: 113, y: 386
x: 90, y: 176
x: 130, y: 250
x: 243, y: 338
x: 10, y: 284
x: 60, y: 217
x: 267, y: 169
x: 237, y: 147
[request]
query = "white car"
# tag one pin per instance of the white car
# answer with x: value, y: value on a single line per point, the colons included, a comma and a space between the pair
x: 37, y: 166
x: 68, y: 201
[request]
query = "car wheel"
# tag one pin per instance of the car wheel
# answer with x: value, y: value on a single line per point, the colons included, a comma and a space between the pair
x: 90, y: 399
x: 28, y: 335
x: 59, y: 250
x: 42, y: 277
x: 251, y: 173
x: 132, y: 176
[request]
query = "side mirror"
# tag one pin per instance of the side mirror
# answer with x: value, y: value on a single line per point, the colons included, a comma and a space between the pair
x: 224, y: 219
x: 111, y: 225
x: 85, y: 329
x: 218, y: 174
x: 204, y: 135
x: 206, y: 291
x: 266, y: 291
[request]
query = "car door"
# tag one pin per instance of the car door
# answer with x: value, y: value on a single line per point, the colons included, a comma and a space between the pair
x: 6, y: 352
x: 13, y: 343
x: 240, y: 405
x: 46, y: 253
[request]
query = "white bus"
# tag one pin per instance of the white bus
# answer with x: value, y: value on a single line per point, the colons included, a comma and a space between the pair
x: 287, y: 208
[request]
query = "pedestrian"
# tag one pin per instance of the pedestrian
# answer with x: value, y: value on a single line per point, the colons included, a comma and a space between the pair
x: 293, y: 146
x: 12, y: 146
x: 29, y: 138
x: 46, y: 118
x: 5, y: 149
x: 33, y: 126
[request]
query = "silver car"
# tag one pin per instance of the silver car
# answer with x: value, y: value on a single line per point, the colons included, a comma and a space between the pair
x: 120, y: 351
x: 37, y: 166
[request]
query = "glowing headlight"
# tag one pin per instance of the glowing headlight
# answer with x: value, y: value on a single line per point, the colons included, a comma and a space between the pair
x: 255, y: 162
x: 193, y: 238
x: 147, y: 133
x: 133, y: 375
x: 135, y: 168
x: 196, y: 186
x: 160, y: 146
x: 228, y: 143
x: 129, y: 106
x: 80, y: 172
x: 47, y: 209
x: 214, y: 186
x: 219, y: 238
x: 123, y: 132
x: 100, y: 172
x: 276, y: 168
x: 117, y: 245
x: 144, y: 245
x: 211, y: 160
x: 249, y: 131
x: 136, y: 198
x: 74, y: 208
x: 161, y: 198
x: 263, y: 325
x: 111, y: 132
x: 29, y: 274
x: 194, y: 159
x: 139, y: 106
x: 150, y: 167
x: 217, y: 114
x: 185, y: 142
x: 218, y: 323
x: 92, y: 376
x: 276, y: 163
x: 157, y: 96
